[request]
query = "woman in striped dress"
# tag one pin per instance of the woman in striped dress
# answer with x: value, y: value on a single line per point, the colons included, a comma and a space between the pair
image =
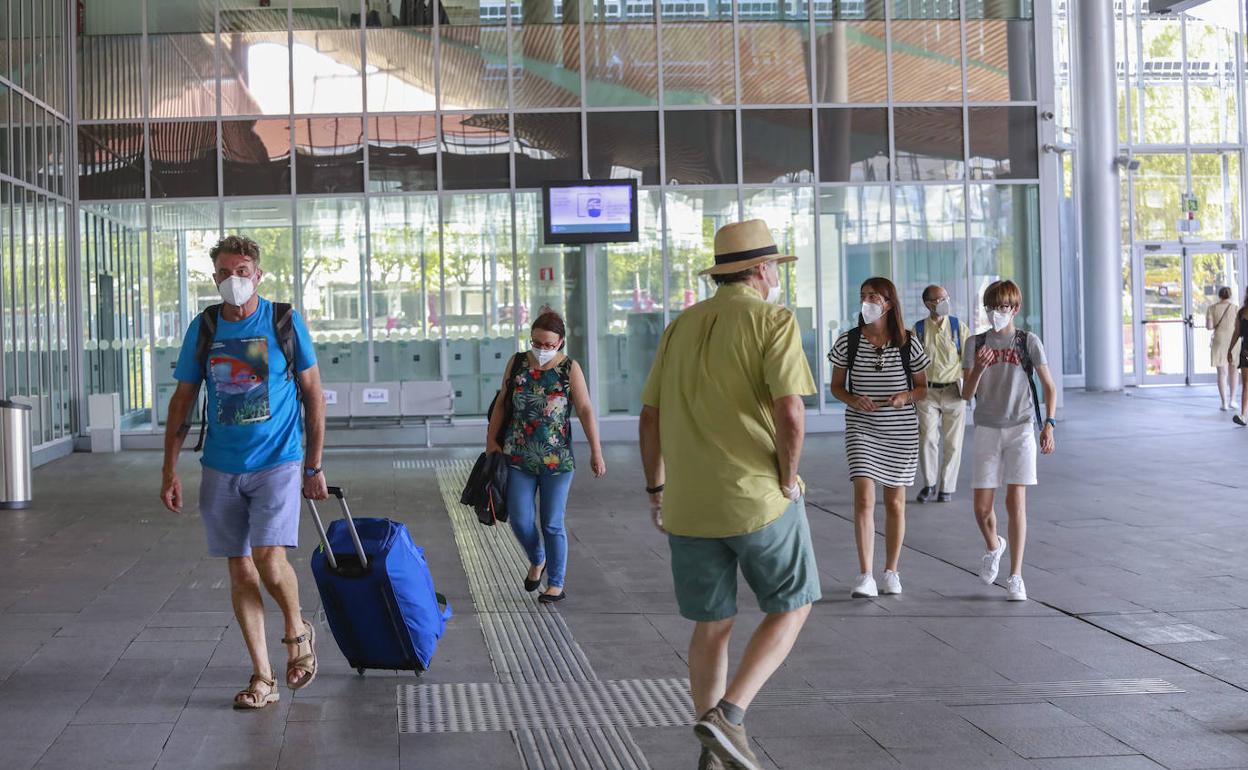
x: 881, y: 424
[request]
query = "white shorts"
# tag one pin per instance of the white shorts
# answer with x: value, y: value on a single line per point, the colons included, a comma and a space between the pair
x: 1002, y: 456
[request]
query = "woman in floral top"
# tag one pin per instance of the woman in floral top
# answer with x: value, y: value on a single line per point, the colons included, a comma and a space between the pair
x: 545, y: 385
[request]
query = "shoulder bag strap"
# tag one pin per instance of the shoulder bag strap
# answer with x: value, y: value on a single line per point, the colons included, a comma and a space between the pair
x: 852, y: 340
x: 905, y: 361
x: 203, y: 346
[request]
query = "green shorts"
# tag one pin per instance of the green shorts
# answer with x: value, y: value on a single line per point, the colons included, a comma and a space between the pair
x: 778, y: 562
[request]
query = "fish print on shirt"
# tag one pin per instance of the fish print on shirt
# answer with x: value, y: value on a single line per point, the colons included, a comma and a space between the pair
x: 240, y: 376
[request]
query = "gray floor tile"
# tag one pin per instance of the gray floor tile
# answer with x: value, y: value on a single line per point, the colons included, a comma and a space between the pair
x: 94, y: 747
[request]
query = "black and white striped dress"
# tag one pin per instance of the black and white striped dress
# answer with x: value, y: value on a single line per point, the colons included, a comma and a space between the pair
x: 882, y: 445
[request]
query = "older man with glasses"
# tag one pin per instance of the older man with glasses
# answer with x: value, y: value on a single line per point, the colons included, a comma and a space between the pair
x: 942, y: 412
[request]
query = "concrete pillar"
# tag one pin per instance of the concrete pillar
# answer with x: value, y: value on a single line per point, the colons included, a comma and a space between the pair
x: 1100, y: 234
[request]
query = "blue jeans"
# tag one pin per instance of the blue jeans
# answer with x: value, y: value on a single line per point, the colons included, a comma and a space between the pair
x: 522, y: 488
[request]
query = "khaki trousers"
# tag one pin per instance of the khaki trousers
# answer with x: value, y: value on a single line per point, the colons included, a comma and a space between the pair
x: 942, y: 423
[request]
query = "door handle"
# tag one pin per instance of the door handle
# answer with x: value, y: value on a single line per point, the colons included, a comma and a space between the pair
x: 1190, y: 323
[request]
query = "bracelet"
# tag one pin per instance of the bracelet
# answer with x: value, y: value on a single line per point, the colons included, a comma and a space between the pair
x: 1050, y: 421
x: 654, y: 490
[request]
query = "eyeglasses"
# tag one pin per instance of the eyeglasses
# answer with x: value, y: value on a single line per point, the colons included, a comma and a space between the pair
x: 544, y: 345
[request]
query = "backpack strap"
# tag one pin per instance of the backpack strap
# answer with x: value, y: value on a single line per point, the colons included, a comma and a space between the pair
x: 1029, y: 367
x: 920, y: 328
x: 852, y: 340
x: 284, y: 330
x: 905, y: 361
x: 955, y: 328
x: 203, y: 346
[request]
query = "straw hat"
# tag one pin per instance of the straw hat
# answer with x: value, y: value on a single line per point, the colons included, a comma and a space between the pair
x: 743, y: 245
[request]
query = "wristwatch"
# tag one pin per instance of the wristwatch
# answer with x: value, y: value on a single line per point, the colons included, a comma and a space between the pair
x: 1051, y: 421
x: 309, y: 472
x: 654, y: 490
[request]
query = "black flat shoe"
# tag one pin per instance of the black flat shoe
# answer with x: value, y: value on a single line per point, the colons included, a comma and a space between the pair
x: 944, y: 497
x: 1238, y: 421
x: 925, y: 494
x: 552, y: 598
x: 531, y: 585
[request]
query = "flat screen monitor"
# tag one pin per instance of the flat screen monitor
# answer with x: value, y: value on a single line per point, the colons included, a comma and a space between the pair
x: 590, y: 211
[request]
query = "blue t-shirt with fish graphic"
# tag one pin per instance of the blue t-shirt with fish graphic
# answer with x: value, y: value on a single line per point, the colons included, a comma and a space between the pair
x: 254, y: 419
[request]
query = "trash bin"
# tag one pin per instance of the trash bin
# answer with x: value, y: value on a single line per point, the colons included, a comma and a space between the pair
x: 14, y: 455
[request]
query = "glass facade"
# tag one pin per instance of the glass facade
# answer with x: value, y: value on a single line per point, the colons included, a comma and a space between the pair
x: 1181, y: 93
x: 36, y: 220
x: 388, y: 158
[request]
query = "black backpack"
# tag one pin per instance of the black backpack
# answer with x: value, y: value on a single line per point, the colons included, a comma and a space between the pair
x: 853, y: 337
x: 1029, y: 367
x: 283, y: 329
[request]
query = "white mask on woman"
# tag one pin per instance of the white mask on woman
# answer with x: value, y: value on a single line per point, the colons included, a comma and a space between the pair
x: 543, y: 356
x: 1000, y: 320
x: 236, y: 290
x: 871, y: 312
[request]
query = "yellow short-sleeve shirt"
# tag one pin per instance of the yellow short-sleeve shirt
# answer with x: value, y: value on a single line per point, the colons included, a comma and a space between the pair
x: 719, y: 367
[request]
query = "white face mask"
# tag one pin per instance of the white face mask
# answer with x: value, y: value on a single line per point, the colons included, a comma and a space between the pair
x: 1000, y: 320
x: 543, y: 356
x: 942, y: 307
x: 872, y: 312
x: 236, y: 290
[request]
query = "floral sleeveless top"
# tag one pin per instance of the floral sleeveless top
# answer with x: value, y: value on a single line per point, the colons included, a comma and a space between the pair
x: 539, y: 440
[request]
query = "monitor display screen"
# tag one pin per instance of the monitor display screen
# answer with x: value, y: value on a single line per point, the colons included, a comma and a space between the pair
x: 590, y: 211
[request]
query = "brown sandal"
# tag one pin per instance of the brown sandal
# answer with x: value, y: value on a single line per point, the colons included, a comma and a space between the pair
x: 252, y: 698
x: 305, y: 662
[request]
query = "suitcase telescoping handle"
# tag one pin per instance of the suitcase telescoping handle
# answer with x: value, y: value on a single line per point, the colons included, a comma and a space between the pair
x: 341, y: 494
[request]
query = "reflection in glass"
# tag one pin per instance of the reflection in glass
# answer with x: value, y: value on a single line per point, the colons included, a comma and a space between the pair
x: 8, y: 131
x: 853, y: 145
x: 464, y: 13
x: 479, y: 304
x: 621, y: 65
x: 790, y: 214
x: 623, y: 145
x: 1215, y: 183
x: 327, y: 71
x: 774, y: 62
x: 701, y: 147
x: 179, y: 230
x: 474, y: 68
x: 1158, y: 187
x: 184, y: 159
x: 329, y: 155
x: 693, y: 216
x: 474, y: 152
x: 927, y: 61
x: 1212, y: 95
x: 698, y: 64
x: 331, y: 248
x: 683, y: 10
x: 1005, y: 244
x: 406, y: 13
x: 931, y: 244
x: 109, y: 80
x: 855, y: 234
x: 776, y: 147
x: 851, y: 62
x: 183, y: 75
x: 269, y: 224
x: 546, y: 65
x: 631, y: 321
x: 548, y: 146
x: 256, y: 156
x: 546, y: 276
x: 110, y: 161
x: 929, y: 143
x: 402, y: 153
x: 255, y: 71
x: 925, y: 9
x: 406, y: 269
x: 1000, y: 61
x: 1003, y: 143
x: 400, y: 69
x: 1000, y: 9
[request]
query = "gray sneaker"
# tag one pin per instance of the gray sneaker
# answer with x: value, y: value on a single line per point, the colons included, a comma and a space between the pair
x: 709, y: 761
x: 725, y: 740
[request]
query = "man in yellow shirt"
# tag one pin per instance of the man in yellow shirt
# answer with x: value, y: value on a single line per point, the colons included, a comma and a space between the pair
x: 721, y: 437
x: 942, y: 412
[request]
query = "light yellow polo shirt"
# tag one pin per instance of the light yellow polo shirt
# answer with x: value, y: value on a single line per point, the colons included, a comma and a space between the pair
x: 718, y: 369
x: 946, y: 364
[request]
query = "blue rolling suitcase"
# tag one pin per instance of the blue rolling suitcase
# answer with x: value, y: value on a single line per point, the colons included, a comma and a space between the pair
x: 377, y: 592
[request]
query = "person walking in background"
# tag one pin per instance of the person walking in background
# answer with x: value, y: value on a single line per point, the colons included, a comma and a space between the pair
x: 1221, y: 318
x: 1238, y: 338
x: 878, y: 372
x: 721, y: 434
x: 999, y: 364
x: 540, y: 390
x: 264, y: 396
x: 942, y: 412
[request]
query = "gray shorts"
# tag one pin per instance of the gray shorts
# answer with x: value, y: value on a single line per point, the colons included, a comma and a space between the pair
x: 242, y: 510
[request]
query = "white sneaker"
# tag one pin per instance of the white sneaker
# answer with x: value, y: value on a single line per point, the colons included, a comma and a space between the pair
x: 991, y: 562
x: 1016, y: 591
x: 865, y: 587
x: 892, y: 583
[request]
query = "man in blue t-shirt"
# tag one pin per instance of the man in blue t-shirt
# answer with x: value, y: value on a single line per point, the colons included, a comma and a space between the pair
x: 255, y: 462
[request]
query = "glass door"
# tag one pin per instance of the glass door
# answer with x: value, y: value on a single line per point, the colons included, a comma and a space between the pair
x: 1176, y: 285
